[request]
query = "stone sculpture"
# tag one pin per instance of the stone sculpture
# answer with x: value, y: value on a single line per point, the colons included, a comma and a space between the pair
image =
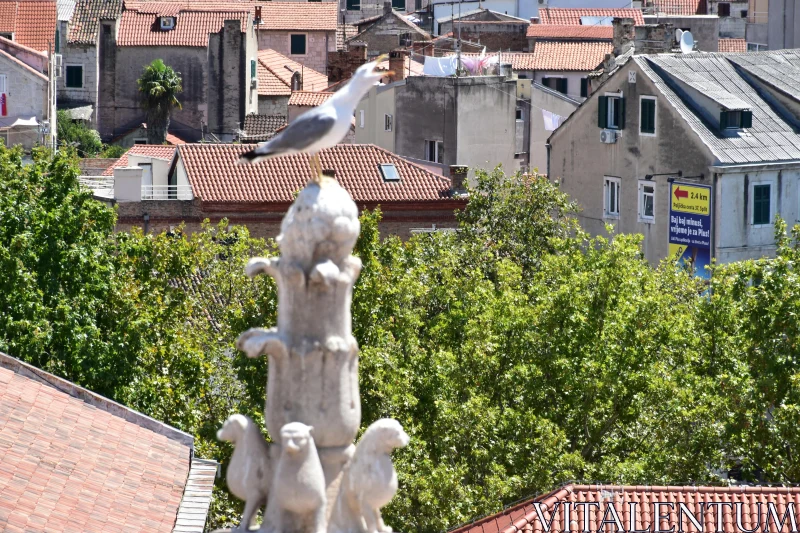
x: 249, y: 472
x: 313, y: 379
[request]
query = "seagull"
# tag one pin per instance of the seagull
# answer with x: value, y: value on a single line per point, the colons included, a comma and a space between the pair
x: 322, y: 127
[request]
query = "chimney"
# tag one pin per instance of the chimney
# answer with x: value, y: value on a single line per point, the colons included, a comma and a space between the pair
x: 423, y: 48
x: 397, y: 64
x: 387, y: 8
x: 297, y: 81
x: 623, y: 34
x: 458, y: 179
x: 257, y: 18
x: 534, y: 20
x: 128, y: 184
x: 358, y: 51
x: 654, y: 39
x: 329, y: 172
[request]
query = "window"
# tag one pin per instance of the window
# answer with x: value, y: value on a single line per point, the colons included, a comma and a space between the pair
x: 735, y: 119
x: 518, y: 115
x: 744, y: 13
x: 611, y: 197
x: 434, y: 151
x: 389, y: 172
x: 405, y: 39
x: 58, y: 41
x: 647, y: 201
x: 724, y: 9
x: 557, y: 84
x: 388, y: 122
x: 611, y: 112
x: 647, y: 116
x: 9, y: 36
x: 761, y: 204
x: 297, y: 44
x: 140, y: 141
x: 75, y: 76
x: 399, y: 4
x: 523, y: 76
x: 360, y: 118
x: 353, y: 5
x: 584, y: 87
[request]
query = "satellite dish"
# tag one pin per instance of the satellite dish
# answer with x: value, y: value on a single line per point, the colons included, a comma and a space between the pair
x: 687, y: 42
x: 678, y: 34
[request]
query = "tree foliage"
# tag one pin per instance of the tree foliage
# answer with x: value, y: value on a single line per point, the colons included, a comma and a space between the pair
x: 159, y: 87
x: 78, y: 135
x: 518, y: 353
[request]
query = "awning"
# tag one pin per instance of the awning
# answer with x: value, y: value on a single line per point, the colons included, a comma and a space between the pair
x: 11, y: 122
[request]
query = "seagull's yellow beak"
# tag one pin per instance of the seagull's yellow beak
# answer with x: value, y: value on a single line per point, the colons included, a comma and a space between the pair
x: 380, y: 59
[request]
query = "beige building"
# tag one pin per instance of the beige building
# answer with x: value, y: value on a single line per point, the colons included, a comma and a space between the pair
x: 24, y: 95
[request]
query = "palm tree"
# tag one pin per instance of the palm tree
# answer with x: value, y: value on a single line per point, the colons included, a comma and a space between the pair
x: 159, y: 86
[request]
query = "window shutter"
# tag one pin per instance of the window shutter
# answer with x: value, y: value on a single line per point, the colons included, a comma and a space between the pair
x: 252, y: 68
x: 621, y: 113
x: 562, y: 85
x: 602, y: 111
x: 747, y: 119
x: 723, y: 120
x: 584, y: 87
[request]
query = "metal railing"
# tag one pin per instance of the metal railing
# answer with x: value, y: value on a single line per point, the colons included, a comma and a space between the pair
x: 97, y: 182
x: 166, y: 192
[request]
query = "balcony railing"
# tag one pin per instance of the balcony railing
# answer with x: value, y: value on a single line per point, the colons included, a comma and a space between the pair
x: 166, y: 192
x: 97, y: 182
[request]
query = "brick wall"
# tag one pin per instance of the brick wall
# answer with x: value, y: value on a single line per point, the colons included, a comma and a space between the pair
x: 342, y: 63
x: 318, y: 44
x: 495, y: 36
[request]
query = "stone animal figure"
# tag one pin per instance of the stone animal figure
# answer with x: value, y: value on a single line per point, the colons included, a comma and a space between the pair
x: 370, y: 480
x: 249, y: 472
x: 299, y: 494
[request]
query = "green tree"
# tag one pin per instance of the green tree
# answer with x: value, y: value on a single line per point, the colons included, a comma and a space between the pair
x: 85, y: 140
x: 160, y: 86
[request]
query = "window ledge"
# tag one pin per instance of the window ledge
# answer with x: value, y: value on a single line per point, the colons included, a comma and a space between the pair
x: 606, y: 216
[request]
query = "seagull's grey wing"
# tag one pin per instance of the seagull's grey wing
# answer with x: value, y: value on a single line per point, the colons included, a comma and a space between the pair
x: 299, y: 135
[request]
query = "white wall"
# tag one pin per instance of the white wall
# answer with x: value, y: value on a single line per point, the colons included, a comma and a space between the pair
x: 573, y: 81
x: 160, y: 167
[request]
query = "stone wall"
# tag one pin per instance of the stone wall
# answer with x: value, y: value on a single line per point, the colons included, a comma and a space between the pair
x: 384, y: 36
x: 107, y: 80
x: 318, y: 44
x: 228, y: 79
x: 705, y: 28
x: 495, y: 36
x: 77, y: 54
x: 273, y: 105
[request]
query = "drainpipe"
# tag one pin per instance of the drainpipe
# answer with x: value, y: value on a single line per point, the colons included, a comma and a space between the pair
x: 714, y: 215
x: 548, y: 147
x: 146, y: 218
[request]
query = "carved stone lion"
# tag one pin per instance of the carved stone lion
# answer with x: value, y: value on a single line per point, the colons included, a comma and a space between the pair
x: 249, y: 472
x: 369, y: 481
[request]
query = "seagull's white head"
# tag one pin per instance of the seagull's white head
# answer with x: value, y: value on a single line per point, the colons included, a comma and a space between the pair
x: 366, y: 76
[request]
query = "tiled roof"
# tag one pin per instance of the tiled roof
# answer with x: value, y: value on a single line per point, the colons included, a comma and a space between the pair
x: 678, y: 7
x: 146, y: 150
x: 215, y: 176
x: 308, y: 98
x: 71, y: 460
x: 275, y: 75
x: 754, y: 500
x: 262, y: 127
x: 572, y: 16
x: 174, y: 139
x: 309, y: 16
x: 570, y: 32
x: 732, y: 45
x: 33, y: 22
x: 85, y: 19
x: 193, y: 22
x: 771, y: 137
x: 561, y: 55
x: 344, y: 32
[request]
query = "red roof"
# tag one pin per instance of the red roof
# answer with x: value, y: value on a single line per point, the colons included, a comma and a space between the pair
x: 71, y: 460
x: 215, y: 176
x: 732, y: 45
x: 309, y: 16
x: 145, y: 150
x: 572, y: 16
x: 193, y: 22
x: 679, y: 7
x: 523, y: 516
x: 561, y: 55
x: 33, y: 22
x: 275, y: 70
x: 308, y: 98
x: 569, y: 32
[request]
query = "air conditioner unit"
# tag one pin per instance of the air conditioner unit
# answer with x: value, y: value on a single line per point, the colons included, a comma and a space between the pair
x: 59, y: 65
x: 254, y: 83
x: 167, y: 23
x: 608, y: 136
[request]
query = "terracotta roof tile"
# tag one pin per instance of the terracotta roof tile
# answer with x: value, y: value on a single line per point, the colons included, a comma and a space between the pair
x: 732, y: 45
x: 193, y: 22
x: 86, y: 17
x: 75, y: 466
x: 309, y: 16
x: 570, y: 32
x: 572, y: 16
x: 33, y: 22
x: 275, y: 71
x: 262, y: 127
x: 174, y: 139
x: 561, y: 55
x: 308, y: 98
x: 523, y: 516
x: 679, y: 7
x: 215, y: 176
x: 147, y: 150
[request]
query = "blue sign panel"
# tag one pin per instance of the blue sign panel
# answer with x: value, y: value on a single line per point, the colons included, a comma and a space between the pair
x: 690, y: 225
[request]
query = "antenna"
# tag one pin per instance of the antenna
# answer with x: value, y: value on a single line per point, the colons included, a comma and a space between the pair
x: 678, y: 34
x: 687, y: 42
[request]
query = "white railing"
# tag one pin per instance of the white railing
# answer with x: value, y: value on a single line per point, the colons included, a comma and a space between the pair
x: 167, y: 192
x: 97, y: 182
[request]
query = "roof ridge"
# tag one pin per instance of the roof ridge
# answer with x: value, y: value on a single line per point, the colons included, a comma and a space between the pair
x: 22, y: 46
x: 24, y: 65
x: 95, y: 400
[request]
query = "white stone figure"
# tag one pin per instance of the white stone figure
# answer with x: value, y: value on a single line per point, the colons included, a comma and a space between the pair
x: 369, y: 481
x: 298, y: 496
x: 249, y: 472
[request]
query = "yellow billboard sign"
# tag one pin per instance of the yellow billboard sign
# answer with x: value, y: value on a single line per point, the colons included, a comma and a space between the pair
x: 690, y: 199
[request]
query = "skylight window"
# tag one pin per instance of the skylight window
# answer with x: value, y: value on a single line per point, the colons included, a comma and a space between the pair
x: 596, y: 21
x: 389, y: 172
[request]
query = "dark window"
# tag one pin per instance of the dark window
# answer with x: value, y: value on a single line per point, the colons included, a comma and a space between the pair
x: 405, y: 39
x: 519, y: 114
x: 724, y: 9
x: 611, y: 112
x: 9, y: 36
x: 434, y: 151
x: 761, y: 194
x: 557, y: 84
x: 354, y: 5
x: 735, y: 119
x: 648, y: 116
x: 58, y: 41
x: 584, y: 87
x: 399, y: 4
x: 75, y: 76
x: 106, y: 29
x: 744, y: 13
x: 298, y: 45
